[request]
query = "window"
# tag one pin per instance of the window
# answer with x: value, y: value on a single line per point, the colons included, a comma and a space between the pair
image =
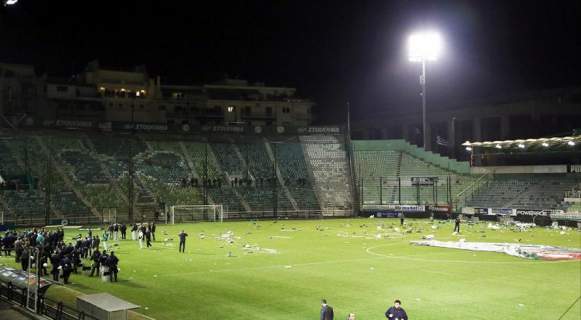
x: 269, y: 111
x: 230, y: 109
x: 286, y: 110
x: 247, y: 111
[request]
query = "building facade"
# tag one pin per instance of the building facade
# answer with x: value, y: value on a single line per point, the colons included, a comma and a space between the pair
x: 133, y: 96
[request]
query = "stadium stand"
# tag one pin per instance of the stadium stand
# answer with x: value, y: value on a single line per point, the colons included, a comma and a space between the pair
x: 384, y: 169
x: 525, y: 191
x: 327, y: 160
x: 296, y: 177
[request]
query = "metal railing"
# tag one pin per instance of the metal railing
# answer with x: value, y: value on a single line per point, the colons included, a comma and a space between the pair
x: 469, y: 191
x: 52, y: 309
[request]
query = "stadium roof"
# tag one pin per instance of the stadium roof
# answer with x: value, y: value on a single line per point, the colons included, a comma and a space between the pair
x: 570, y: 141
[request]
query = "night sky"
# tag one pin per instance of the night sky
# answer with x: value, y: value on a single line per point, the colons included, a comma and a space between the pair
x: 332, y: 51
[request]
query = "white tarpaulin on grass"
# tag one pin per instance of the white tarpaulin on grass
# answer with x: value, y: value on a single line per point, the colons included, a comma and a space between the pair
x: 529, y: 251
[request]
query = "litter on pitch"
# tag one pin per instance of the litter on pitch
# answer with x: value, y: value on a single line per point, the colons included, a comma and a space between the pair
x: 529, y: 251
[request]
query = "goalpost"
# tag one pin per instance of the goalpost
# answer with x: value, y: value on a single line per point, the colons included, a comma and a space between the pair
x: 191, y: 213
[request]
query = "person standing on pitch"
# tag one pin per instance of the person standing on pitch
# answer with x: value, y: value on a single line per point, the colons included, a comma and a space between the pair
x: 140, y: 237
x: 123, y: 229
x: 401, y: 218
x: 116, y: 231
x: 326, y: 311
x: 457, y: 224
x: 182, y: 237
x: 153, y: 230
x: 134, y: 231
x: 112, y: 262
x: 96, y: 257
x: 396, y: 312
x: 148, y: 236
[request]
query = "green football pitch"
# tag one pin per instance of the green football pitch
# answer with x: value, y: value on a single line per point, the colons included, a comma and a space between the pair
x: 281, y: 270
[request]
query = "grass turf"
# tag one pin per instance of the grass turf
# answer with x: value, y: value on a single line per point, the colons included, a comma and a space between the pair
x: 342, y: 261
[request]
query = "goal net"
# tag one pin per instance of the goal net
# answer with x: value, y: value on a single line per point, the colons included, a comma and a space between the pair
x: 192, y: 213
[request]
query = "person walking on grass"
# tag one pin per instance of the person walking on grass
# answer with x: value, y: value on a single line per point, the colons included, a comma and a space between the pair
x: 123, y: 229
x: 396, y: 312
x: 105, y: 238
x: 112, y: 262
x: 140, y: 237
x: 134, y: 231
x: 326, y: 311
x: 457, y: 224
x: 96, y: 258
x: 183, y: 235
x: 148, y: 236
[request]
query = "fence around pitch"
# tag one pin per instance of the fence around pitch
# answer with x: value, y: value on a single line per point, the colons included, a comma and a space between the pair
x: 85, y: 220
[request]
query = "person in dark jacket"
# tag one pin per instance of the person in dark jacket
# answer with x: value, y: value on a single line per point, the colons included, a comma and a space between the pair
x: 123, y: 231
x: 112, y: 262
x: 457, y: 224
x: 396, y: 312
x: 24, y: 259
x: 183, y: 235
x: 153, y: 230
x: 67, y: 267
x: 55, y: 261
x: 326, y: 311
x: 96, y: 258
x: 148, y: 237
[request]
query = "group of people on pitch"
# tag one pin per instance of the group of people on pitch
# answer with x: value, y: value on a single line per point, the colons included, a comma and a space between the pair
x: 395, y: 312
x: 35, y: 248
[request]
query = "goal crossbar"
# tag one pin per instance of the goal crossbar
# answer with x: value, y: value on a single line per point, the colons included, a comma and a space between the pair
x: 191, y: 213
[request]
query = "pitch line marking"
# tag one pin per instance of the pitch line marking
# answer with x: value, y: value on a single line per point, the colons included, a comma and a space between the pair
x: 412, y: 258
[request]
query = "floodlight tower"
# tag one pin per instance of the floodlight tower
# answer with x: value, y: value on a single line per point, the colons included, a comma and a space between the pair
x: 7, y: 3
x: 423, y: 47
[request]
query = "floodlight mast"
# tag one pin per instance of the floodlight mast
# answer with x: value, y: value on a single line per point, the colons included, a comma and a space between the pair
x: 9, y: 2
x: 423, y: 47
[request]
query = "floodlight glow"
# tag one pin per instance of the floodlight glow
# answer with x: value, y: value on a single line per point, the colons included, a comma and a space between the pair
x: 571, y: 143
x: 230, y: 108
x: 424, y: 46
x: 545, y: 144
x: 468, y: 148
x: 11, y: 2
x: 498, y: 146
x: 520, y: 145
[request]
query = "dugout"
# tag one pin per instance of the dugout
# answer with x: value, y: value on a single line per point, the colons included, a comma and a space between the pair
x: 103, y: 306
x: 21, y: 280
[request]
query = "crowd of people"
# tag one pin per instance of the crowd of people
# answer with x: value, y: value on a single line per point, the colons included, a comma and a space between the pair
x: 187, y: 182
x: 35, y: 248
x: 38, y: 249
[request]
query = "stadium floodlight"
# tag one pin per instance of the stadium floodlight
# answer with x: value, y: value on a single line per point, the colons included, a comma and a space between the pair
x: 544, y: 144
x: 498, y: 146
x: 520, y: 145
x: 10, y: 2
x: 423, y: 47
x: 468, y: 148
x: 571, y: 143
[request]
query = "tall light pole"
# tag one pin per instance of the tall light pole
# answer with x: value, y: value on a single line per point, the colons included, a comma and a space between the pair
x: 423, y: 47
